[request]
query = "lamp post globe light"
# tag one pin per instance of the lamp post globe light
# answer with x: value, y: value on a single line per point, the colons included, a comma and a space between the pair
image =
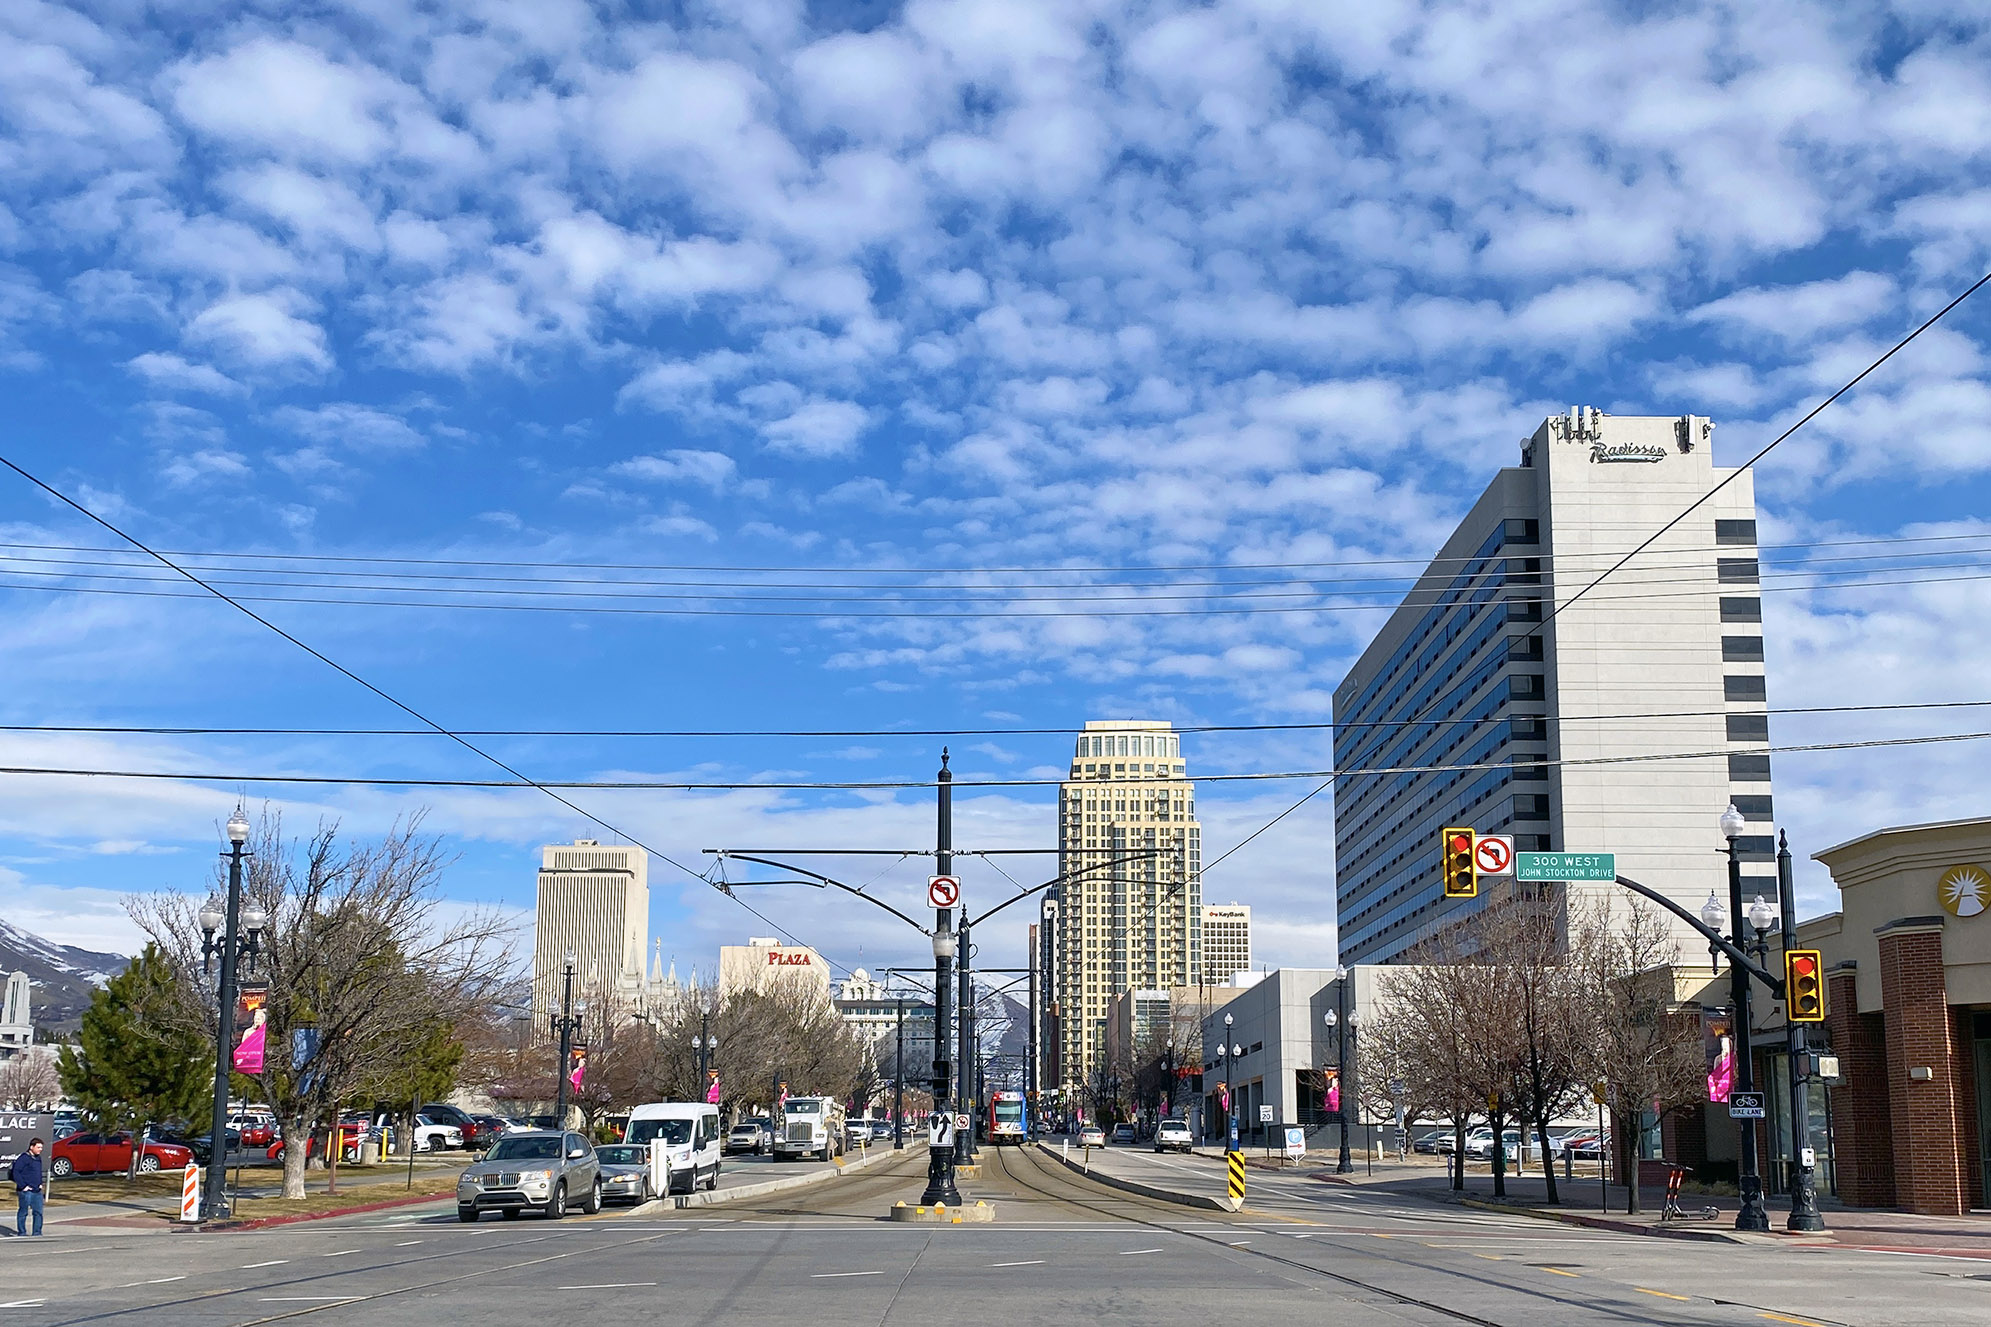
x: 1752, y: 1215
x: 241, y: 941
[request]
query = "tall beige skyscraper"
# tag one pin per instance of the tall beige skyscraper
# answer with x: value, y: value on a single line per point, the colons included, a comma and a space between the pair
x: 1226, y: 941
x: 1136, y: 925
x: 594, y: 901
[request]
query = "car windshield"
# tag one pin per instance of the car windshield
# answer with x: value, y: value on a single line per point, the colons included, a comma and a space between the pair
x: 623, y: 1154
x: 803, y: 1108
x: 526, y: 1149
x: 674, y: 1132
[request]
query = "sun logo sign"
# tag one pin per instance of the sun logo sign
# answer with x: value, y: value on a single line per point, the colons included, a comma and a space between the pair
x: 1964, y: 890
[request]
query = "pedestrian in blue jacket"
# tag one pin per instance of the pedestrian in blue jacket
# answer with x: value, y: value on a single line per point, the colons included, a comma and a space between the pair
x: 28, y: 1177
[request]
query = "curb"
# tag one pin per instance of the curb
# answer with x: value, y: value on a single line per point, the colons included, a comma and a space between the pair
x: 718, y: 1196
x: 1144, y: 1190
x: 1606, y: 1223
x: 261, y: 1222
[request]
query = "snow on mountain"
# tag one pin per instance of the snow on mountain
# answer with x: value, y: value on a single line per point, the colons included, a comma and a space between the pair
x: 61, y: 976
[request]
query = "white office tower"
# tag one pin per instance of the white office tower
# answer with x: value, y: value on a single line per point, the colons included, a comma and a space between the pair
x: 1226, y: 941
x: 595, y: 902
x: 1528, y: 709
x: 1135, y: 924
x: 17, y: 1020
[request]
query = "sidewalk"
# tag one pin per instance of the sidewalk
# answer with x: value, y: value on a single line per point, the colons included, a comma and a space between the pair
x: 155, y: 1212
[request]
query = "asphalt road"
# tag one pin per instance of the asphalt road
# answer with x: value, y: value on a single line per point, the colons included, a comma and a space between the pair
x: 1064, y: 1250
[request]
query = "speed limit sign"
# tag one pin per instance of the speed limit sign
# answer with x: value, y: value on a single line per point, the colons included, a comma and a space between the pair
x: 943, y: 891
x: 1493, y: 854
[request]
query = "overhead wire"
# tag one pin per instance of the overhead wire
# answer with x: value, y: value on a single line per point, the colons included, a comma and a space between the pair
x: 396, y: 702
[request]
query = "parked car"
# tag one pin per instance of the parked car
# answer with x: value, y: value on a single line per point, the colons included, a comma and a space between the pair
x: 1123, y: 1135
x: 753, y: 1134
x: 1585, y: 1146
x: 541, y: 1169
x: 433, y: 1135
x: 94, y: 1153
x: 1173, y: 1135
x: 1091, y: 1136
x: 492, y: 1126
x: 352, y: 1131
x: 203, y: 1146
x: 1435, y: 1142
x: 1479, y: 1143
x: 625, y: 1172
x: 470, y: 1133
x: 255, y: 1130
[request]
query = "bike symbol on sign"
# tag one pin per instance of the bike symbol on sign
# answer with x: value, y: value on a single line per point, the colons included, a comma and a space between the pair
x: 1493, y: 854
x: 943, y: 891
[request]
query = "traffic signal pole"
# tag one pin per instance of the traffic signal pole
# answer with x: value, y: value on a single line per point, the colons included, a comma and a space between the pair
x: 1804, y: 1188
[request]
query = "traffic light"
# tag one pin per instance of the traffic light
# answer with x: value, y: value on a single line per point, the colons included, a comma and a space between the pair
x: 1455, y: 852
x: 1804, y: 985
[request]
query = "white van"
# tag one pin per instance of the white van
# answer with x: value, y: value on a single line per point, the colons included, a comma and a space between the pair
x: 692, y: 1138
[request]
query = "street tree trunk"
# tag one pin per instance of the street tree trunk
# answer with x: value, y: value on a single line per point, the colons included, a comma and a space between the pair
x: 296, y: 1152
x: 1548, y: 1161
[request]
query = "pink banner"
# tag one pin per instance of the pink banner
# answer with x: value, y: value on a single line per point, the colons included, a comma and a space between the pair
x: 712, y: 1093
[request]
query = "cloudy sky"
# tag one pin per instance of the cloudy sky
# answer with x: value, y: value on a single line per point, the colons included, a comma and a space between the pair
x: 959, y: 365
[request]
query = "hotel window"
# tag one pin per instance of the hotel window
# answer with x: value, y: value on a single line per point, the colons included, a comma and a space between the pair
x: 1741, y: 610
x: 1742, y: 649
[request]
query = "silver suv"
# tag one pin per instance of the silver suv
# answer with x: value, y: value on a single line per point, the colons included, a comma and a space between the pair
x: 543, y: 1169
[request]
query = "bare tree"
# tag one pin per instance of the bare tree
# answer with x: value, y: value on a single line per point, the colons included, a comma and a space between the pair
x: 361, y: 957
x: 30, y: 1080
x: 1648, y: 1043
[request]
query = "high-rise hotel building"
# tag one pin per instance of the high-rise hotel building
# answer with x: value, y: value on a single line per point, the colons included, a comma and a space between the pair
x: 594, y: 901
x: 1509, y: 708
x: 1226, y: 941
x: 1135, y: 925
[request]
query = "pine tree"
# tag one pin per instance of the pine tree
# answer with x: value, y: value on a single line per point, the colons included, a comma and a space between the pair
x: 137, y: 1060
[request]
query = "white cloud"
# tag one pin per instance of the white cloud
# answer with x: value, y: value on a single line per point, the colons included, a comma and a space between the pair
x: 263, y: 332
x: 713, y: 470
x: 170, y: 371
x: 288, y: 97
x: 349, y: 424
x: 817, y: 429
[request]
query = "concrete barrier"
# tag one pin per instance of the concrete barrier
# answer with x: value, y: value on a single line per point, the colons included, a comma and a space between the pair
x: 1154, y: 1191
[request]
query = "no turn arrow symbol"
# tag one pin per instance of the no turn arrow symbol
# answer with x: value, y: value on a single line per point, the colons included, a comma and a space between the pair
x: 943, y: 891
x: 1493, y: 854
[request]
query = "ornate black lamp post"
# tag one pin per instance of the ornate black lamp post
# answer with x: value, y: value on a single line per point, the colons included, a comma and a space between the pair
x: 241, y: 939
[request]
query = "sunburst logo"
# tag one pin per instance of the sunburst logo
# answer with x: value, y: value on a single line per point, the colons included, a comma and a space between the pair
x: 1964, y: 890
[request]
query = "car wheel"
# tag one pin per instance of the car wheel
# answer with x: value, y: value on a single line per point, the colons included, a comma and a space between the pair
x: 466, y: 1214
x: 593, y: 1204
x: 433, y: 1145
x: 147, y: 1164
x: 62, y: 1166
x: 712, y: 1185
x: 556, y: 1206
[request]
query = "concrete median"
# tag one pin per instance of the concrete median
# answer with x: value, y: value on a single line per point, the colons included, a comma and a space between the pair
x: 1157, y: 1192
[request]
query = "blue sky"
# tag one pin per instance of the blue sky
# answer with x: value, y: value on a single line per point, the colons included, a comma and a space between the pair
x: 890, y: 289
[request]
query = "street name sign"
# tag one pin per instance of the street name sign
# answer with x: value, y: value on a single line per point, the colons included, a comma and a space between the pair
x: 943, y: 891
x: 1745, y: 1105
x: 1493, y: 854
x: 1539, y: 867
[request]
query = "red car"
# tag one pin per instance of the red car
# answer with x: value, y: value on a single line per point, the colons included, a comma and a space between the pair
x: 254, y: 1130
x: 89, y: 1153
x: 353, y: 1132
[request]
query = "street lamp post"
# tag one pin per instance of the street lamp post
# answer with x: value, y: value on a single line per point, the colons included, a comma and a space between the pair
x: 940, y: 1160
x: 1752, y: 1215
x: 1344, y: 1164
x: 246, y: 945
x: 1228, y: 1054
x: 565, y: 1024
x: 704, y: 1043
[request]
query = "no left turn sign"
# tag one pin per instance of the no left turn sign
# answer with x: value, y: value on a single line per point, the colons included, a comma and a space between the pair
x: 943, y: 891
x: 1493, y: 854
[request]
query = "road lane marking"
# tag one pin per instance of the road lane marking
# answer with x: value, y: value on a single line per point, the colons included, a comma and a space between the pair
x: 1785, y: 1317
x: 1490, y: 1257
x: 1663, y: 1294
x: 22, y: 1304
x: 407, y: 1243
x: 609, y: 1285
x: 831, y: 1276
x: 1557, y: 1271
x: 1028, y: 1262
x: 274, y: 1262
x: 341, y: 1253
x: 1129, y: 1253
x: 1239, y: 1243
x: 308, y: 1299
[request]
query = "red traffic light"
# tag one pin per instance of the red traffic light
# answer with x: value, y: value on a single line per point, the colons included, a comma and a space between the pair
x: 1462, y: 843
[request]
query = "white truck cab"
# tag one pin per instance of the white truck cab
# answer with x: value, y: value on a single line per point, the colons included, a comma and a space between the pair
x: 692, y: 1136
x: 810, y: 1126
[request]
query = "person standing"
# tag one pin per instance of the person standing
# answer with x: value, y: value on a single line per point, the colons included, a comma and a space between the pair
x: 29, y: 1180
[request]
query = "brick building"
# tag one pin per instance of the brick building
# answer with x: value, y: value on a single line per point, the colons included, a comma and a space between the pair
x: 1908, y: 969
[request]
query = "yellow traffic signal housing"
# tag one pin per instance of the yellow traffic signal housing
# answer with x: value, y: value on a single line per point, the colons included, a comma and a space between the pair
x: 1804, y: 985
x: 1455, y: 852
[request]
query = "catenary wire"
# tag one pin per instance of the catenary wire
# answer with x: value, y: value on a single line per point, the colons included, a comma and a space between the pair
x: 1746, y: 466
x: 398, y: 704
x: 1067, y: 731
x: 899, y: 785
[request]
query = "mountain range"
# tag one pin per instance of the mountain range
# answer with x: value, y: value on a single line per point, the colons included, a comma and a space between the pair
x: 61, y: 977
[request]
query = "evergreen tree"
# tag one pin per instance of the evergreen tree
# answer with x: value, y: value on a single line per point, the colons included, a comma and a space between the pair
x: 137, y: 1060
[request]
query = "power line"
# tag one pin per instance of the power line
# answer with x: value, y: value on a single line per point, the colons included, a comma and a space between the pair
x: 1179, y: 729
x: 1648, y: 542
x: 1391, y: 602
x: 902, y: 785
x: 341, y: 669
